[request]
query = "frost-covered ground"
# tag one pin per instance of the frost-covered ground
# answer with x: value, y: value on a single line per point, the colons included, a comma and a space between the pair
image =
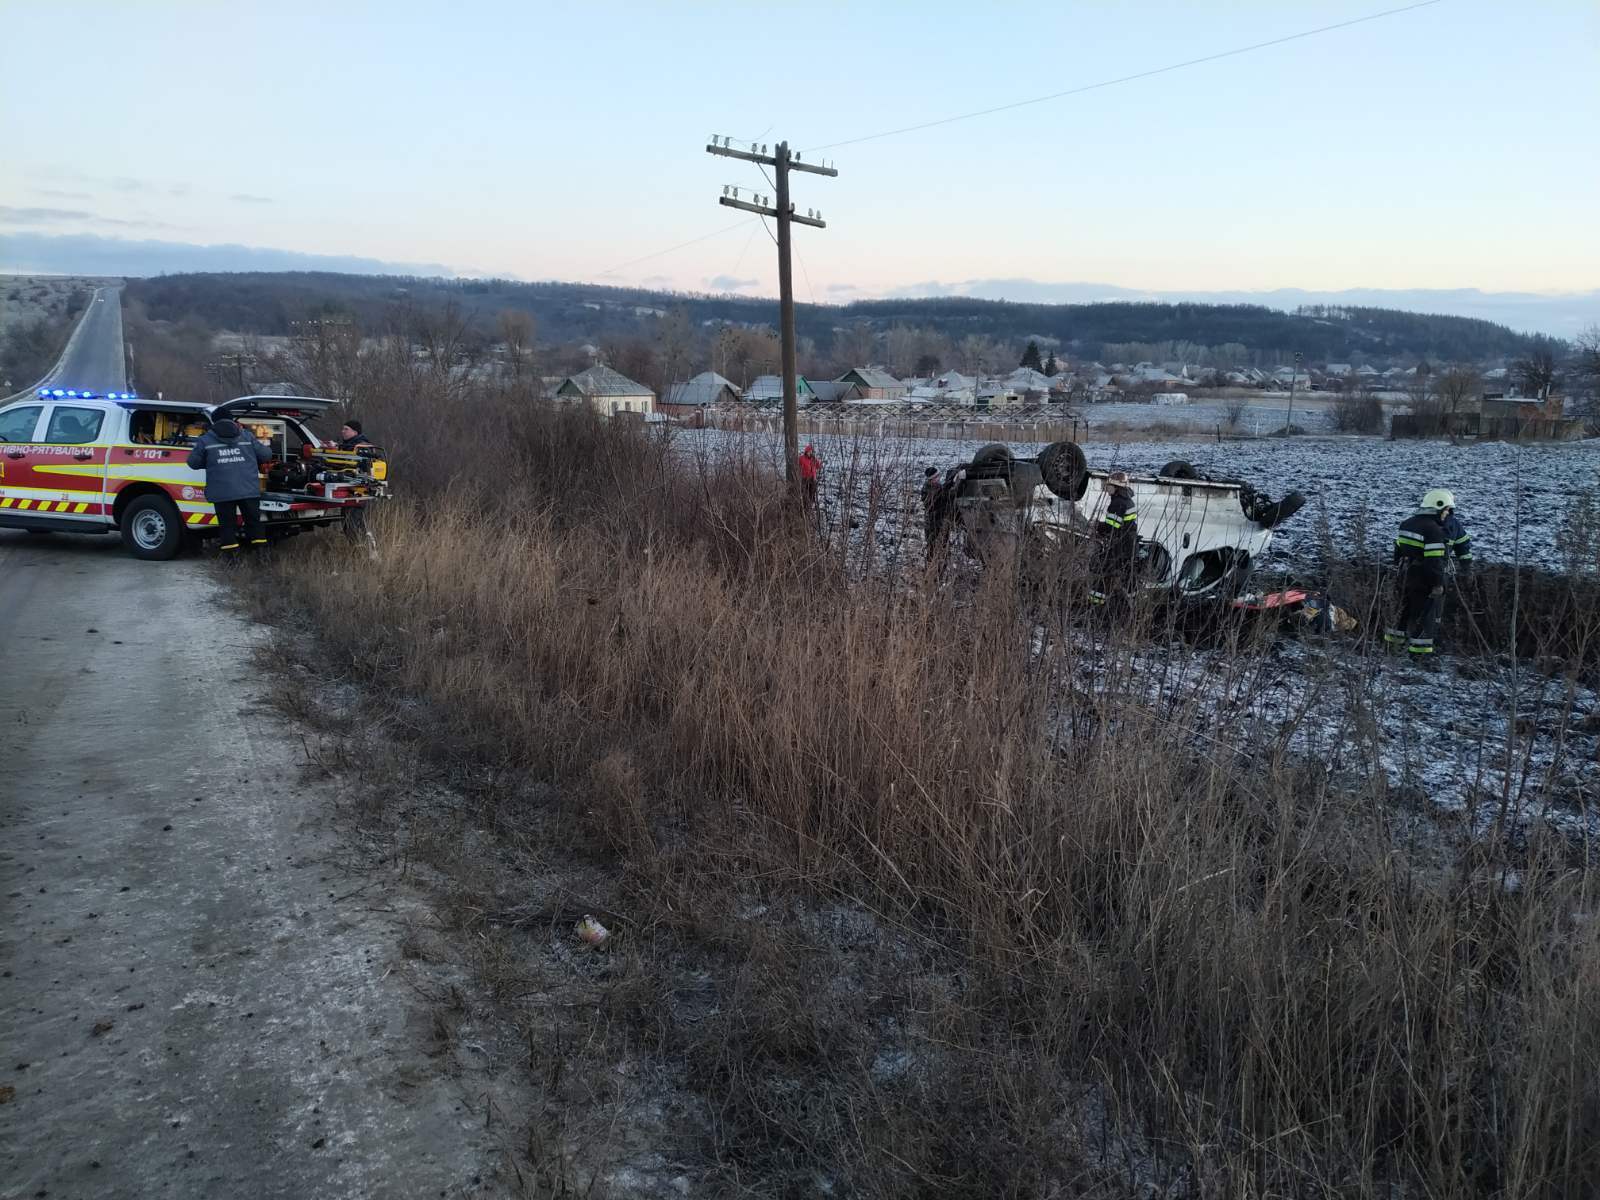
x: 1480, y: 741
x: 1482, y: 737
x: 1360, y: 487
x: 1204, y: 417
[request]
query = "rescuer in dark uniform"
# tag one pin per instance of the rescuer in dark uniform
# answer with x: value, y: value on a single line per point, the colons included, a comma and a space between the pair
x: 232, y: 459
x: 1116, y: 541
x: 1420, y: 549
x: 350, y: 436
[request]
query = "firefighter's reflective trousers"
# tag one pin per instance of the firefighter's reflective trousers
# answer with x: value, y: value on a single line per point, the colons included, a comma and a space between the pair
x: 1417, y: 624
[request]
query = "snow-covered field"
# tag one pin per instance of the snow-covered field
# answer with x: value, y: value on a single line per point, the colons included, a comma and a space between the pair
x: 1205, y: 417
x: 1478, y: 742
x: 1458, y: 745
x: 1514, y: 498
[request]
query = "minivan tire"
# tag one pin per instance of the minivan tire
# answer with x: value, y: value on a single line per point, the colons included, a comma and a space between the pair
x: 1065, y: 470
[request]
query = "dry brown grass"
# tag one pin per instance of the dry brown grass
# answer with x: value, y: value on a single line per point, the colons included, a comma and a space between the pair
x: 1088, y: 934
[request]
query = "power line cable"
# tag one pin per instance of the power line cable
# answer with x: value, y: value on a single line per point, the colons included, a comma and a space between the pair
x: 670, y: 249
x: 1105, y: 83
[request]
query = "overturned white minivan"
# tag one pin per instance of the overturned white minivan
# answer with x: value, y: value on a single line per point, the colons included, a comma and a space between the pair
x: 1198, y: 537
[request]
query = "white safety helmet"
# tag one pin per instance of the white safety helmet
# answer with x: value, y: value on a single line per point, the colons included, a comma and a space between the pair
x: 1437, y: 501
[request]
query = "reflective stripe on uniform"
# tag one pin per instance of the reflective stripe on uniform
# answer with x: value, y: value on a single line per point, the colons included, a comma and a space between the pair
x: 1394, y: 635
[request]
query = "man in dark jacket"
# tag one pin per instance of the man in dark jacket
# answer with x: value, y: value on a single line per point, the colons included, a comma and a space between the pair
x: 350, y: 436
x: 232, y: 459
x: 1419, y: 558
x: 1116, y: 540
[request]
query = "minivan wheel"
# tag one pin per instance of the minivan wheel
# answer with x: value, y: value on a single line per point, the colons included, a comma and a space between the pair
x: 152, y: 528
x: 1065, y: 470
x: 1270, y: 516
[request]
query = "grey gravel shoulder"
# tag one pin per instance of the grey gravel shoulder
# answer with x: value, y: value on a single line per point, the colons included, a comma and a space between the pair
x: 203, y: 989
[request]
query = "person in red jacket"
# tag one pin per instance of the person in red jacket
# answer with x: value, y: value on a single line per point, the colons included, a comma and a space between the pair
x: 810, y: 473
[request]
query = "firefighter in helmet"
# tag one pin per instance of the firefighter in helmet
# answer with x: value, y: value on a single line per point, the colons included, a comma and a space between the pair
x: 1116, y: 541
x: 1421, y: 547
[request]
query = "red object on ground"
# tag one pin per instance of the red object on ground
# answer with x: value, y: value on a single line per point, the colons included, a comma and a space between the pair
x: 1273, y: 600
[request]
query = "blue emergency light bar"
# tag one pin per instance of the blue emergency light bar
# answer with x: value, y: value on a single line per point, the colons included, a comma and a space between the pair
x: 78, y: 394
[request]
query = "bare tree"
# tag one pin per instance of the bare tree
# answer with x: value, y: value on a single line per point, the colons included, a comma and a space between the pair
x: 1456, y: 389
x: 901, y: 346
x: 516, y: 331
x: 323, y: 355
x: 1586, y: 372
x: 636, y: 358
x: 746, y: 353
x: 675, y: 339
x: 1537, y: 374
x: 1421, y: 392
x: 855, y: 345
x: 1589, y: 353
x: 1357, y: 410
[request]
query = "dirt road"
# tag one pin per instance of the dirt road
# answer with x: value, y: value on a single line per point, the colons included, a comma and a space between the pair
x: 196, y: 999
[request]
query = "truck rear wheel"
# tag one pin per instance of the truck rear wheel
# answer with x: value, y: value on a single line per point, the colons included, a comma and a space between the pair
x: 152, y: 528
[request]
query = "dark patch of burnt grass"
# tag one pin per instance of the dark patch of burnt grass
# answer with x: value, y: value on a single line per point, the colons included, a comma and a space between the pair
x: 882, y: 927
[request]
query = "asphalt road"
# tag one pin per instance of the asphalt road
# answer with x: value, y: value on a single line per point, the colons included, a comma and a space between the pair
x: 197, y: 997
x: 93, y: 359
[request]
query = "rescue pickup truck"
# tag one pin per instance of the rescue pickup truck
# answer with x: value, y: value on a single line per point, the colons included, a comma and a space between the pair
x: 90, y: 462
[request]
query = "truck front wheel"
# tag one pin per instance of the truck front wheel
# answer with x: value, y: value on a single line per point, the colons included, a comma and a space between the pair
x: 152, y: 528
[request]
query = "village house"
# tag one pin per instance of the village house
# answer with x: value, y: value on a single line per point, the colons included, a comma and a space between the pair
x: 834, y: 391
x: 705, y: 390
x: 768, y: 389
x: 874, y: 384
x: 1025, y: 380
x: 608, y: 392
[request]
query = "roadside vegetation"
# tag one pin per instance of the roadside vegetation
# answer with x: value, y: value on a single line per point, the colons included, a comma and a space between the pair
x: 38, y: 318
x: 927, y: 884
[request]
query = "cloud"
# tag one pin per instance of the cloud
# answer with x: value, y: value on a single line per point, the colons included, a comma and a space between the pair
x: 247, y: 198
x: 840, y: 289
x: 728, y: 283
x: 47, y: 216
x: 55, y: 194
x: 92, y: 254
x: 39, y: 216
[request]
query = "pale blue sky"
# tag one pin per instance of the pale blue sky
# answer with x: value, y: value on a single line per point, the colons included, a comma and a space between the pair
x: 1450, y: 146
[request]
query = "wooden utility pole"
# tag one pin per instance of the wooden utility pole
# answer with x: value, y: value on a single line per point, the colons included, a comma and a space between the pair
x: 1294, y: 378
x: 782, y: 162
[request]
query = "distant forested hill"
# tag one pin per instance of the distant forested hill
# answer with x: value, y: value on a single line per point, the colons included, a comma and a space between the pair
x: 266, y: 303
